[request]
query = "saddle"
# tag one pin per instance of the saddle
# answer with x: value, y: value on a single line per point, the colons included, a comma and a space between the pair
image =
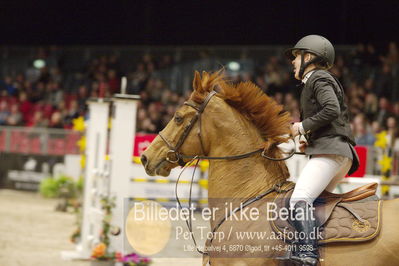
x: 354, y: 216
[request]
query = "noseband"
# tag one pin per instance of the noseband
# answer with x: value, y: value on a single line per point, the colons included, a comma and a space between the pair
x: 174, y: 156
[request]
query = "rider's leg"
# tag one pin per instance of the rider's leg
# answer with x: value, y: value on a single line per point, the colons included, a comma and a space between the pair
x: 340, y: 175
x: 319, y: 173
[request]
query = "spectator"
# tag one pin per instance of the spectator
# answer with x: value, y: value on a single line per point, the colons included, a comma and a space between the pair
x: 25, y: 106
x: 71, y: 114
x: 55, y: 94
x: 113, y: 81
x: 56, y: 120
x: 384, y: 82
x: 278, y: 97
x: 148, y: 126
x: 139, y: 78
x: 38, y: 120
x: 383, y: 112
x: 166, y: 61
x: 8, y: 86
x: 375, y: 127
x: 392, y: 133
x: 4, y: 113
x: 371, y: 105
x: 82, y: 98
x: 396, y: 110
x: 15, y: 117
x: 361, y: 133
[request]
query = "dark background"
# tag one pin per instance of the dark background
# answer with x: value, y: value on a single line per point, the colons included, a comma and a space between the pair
x: 196, y: 22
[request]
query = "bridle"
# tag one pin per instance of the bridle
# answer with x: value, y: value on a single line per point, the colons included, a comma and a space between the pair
x: 174, y: 151
x: 175, y: 156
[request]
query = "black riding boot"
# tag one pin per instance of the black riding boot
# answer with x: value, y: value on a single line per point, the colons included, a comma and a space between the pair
x: 306, y: 252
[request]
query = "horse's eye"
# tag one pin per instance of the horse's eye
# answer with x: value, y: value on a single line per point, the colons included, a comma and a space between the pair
x: 178, y: 119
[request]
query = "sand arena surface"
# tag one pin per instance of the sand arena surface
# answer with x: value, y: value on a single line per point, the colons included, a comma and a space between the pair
x: 32, y: 233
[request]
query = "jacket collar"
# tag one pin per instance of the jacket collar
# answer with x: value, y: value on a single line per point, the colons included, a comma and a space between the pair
x: 307, y: 76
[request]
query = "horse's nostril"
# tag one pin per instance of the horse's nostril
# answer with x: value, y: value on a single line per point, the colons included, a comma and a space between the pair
x: 144, y: 160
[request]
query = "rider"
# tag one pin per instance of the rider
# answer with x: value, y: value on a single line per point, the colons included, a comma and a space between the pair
x: 329, y: 139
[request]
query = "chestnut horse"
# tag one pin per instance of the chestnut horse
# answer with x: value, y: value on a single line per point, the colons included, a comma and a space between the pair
x: 239, y: 119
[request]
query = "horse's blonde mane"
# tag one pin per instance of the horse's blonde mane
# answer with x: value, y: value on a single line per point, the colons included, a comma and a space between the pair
x: 263, y: 111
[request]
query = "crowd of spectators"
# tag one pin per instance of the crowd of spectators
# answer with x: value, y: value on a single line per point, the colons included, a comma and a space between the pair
x: 41, y: 97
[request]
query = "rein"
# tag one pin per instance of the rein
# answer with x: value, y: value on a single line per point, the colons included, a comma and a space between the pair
x: 276, y: 188
x: 242, y: 156
x: 174, y: 156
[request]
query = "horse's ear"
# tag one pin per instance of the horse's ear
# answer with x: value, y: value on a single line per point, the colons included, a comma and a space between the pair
x: 205, y: 79
x: 197, y: 81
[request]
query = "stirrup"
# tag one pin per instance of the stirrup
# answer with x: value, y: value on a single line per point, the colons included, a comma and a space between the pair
x: 305, y: 261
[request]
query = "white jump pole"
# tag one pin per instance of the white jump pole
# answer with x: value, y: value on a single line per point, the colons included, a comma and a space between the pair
x: 96, y: 178
x: 104, y: 178
x: 123, y: 133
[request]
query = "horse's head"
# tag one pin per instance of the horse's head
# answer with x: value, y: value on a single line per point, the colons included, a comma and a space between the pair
x: 186, y: 134
x: 247, y: 118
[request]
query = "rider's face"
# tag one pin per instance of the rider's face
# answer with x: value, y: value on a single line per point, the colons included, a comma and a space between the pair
x: 297, y: 64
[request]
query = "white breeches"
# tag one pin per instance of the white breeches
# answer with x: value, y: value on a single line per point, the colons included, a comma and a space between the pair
x: 321, y: 172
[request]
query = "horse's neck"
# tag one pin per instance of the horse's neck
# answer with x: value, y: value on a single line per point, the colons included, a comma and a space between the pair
x: 242, y: 178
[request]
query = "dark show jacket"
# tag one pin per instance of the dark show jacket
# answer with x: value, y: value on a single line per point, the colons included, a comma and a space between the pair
x: 325, y: 117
